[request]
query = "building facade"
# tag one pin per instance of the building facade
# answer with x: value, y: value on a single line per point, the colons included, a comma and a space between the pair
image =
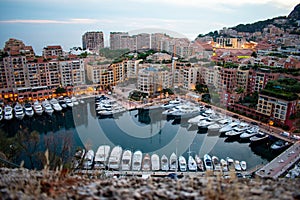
x: 93, y: 41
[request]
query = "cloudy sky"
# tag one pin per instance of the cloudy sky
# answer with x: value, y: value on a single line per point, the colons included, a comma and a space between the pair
x: 47, y: 22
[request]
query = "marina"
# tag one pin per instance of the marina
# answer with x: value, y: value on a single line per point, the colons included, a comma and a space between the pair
x: 165, y: 160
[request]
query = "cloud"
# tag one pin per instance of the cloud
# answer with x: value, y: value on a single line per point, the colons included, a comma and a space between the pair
x: 49, y: 21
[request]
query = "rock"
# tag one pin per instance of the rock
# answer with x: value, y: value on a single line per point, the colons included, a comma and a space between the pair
x: 137, y: 195
x: 296, y: 195
x: 256, y: 191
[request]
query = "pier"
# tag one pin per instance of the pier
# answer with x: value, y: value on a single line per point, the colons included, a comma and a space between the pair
x: 281, y: 163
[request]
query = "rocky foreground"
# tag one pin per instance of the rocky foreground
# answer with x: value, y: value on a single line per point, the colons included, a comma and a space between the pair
x: 26, y: 184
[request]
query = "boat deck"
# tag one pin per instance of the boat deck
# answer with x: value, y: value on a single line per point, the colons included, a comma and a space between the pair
x: 281, y: 163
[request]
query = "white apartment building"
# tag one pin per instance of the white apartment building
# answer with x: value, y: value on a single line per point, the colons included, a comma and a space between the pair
x: 72, y: 72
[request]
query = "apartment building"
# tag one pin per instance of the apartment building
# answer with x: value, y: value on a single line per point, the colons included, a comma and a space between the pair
x: 276, y: 108
x: 258, y: 79
x: 153, y: 79
x: 93, y: 41
x: 53, y: 51
x: 115, y: 39
x: 72, y: 72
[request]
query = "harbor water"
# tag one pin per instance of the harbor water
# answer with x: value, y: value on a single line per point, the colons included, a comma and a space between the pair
x: 145, y: 130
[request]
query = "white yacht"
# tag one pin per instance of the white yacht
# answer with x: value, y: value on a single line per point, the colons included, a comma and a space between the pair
x: 208, y: 162
x: 38, y: 109
x: 216, y: 163
x: 197, y: 119
x: 146, y: 163
x: 237, y: 165
x: 48, y: 108
x: 137, y: 160
x: 249, y: 132
x: 186, y: 111
x: 173, y: 162
x: 164, y: 163
x: 8, y: 112
x: 28, y: 109
x: 171, y: 104
x: 155, y: 164
x: 219, y: 125
x: 182, y: 163
x: 56, y: 106
x: 199, y: 163
x: 192, y: 165
x: 115, y: 158
x: 229, y: 126
x: 88, y: 159
x: 224, y: 165
x: 19, y: 112
x: 101, y: 156
x: 260, y: 136
x: 205, y: 123
x: 243, y: 165
x: 170, y: 111
x: 69, y: 102
x: 126, y: 160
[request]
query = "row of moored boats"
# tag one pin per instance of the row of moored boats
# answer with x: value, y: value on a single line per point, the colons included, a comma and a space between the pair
x: 19, y: 110
x: 106, y: 107
x: 117, y: 159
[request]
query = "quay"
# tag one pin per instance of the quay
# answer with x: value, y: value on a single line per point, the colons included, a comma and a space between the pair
x: 281, y: 163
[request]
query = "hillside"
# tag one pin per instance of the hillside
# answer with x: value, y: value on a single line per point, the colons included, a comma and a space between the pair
x: 260, y: 25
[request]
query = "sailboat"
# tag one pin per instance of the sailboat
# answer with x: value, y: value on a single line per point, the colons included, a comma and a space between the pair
x: 101, y: 156
x: 192, y: 165
x: 146, y: 164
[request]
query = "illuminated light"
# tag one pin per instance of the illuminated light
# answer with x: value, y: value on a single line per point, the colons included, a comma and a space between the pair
x: 271, y: 123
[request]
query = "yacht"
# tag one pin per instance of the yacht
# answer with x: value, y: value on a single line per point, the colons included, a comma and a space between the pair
x: 88, y: 160
x: 56, y: 106
x: 1, y: 115
x: 192, y: 165
x: 249, y: 132
x: 229, y: 126
x: 199, y: 163
x: 8, y: 112
x: 37, y: 107
x: 48, y: 108
x: 237, y: 165
x: 182, y: 164
x: 243, y: 165
x: 164, y: 163
x: 230, y: 164
x: 196, y: 120
x: 19, y: 112
x: 101, y: 156
x: 62, y: 102
x: 146, y: 163
x: 126, y: 160
x: 219, y: 125
x: 155, y: 164
x: 28, y: 109
x: 279, y: 144
x: 224, y: 165
x: 186, y: 111
x: 243, y: 126
x: 115, y: 158
x: 216, y: 163
x: 260, y: 136
x: 205, y: 123
x: 208, y: 162
x: 173, y: 162
x: 170, y: 111
x: 68, y: 102
x: 137, y: 161
x: 233, y: 133
x: 74, y: 100
x: 171, y: 104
